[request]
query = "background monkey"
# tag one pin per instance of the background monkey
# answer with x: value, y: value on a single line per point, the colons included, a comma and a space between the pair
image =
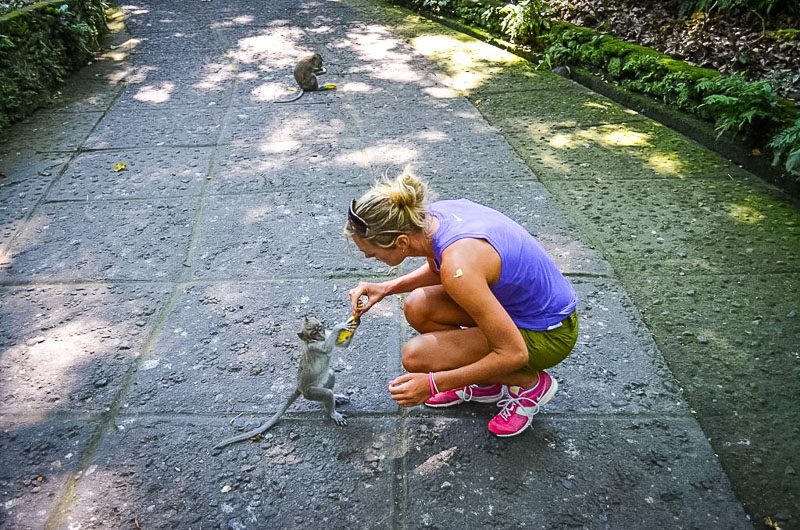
x: 305, y: 73
x: 315, y: 379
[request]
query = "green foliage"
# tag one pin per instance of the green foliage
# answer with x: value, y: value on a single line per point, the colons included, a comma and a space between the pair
x: 735, y: 103
x: 40, y: 44
x: 526, y: 20
x: 786, y: 146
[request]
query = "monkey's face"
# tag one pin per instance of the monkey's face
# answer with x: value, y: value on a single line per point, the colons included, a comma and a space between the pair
x: 313, y: 330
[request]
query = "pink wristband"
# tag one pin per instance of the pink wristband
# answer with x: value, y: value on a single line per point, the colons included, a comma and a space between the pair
x: 432, y: 384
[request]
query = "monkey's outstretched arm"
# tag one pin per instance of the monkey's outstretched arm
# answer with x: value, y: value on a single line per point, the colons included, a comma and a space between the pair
x: 261, y: 429
x: 330, y: 339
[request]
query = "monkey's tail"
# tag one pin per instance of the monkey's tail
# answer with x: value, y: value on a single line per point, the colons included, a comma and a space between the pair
x: 295, y: 98
x: 261, y: 429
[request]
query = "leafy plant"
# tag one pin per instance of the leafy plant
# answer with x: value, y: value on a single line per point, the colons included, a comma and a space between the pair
x: 39, y: 44
x: 526, y: 20
x: 786, y: 145
x: 735, y: 103
x: 436, y: 5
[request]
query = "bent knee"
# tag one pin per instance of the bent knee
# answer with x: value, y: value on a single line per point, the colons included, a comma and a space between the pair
x: 415, y: 309
x: 413, y: 356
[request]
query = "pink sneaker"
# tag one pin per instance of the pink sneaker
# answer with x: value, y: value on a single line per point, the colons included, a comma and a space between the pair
x: 481, y: 394
x: 522, y: 405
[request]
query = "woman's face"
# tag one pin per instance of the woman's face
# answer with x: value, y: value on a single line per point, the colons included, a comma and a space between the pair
x: 390, y: 256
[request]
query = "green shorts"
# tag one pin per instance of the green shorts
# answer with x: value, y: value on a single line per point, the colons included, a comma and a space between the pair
x: 548, y: 348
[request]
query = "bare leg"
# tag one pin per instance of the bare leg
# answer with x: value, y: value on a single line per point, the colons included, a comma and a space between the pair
x: 445, y: 350
x: 431, y: 309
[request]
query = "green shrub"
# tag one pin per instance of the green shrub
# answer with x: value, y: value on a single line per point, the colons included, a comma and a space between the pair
x: 786, y: 146
x: 526, y: 20
x: 39, y: 44
x: 737, y: 104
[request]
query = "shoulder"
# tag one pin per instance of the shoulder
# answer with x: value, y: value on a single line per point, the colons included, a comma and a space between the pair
x: 471, y: 259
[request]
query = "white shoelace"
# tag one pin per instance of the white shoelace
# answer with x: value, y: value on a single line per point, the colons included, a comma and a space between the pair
x: 510, y: 404
x: 467, y: 392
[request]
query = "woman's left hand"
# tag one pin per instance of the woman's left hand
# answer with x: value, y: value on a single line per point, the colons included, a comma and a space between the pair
x: 410, y: 389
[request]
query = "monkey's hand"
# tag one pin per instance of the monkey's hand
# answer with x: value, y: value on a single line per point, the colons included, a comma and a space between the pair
x: 341, y: 326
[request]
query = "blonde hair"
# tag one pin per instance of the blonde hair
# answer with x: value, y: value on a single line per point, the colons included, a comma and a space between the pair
x: 390, y: 208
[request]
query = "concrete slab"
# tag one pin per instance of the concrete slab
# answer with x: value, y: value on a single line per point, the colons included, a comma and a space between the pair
x: 26, y: 176
x: 68, y: 347
x: 233, y: 348
x: 749, y: 443
x: 149, y: 173
x: 178, y: 42
x: 134, y: 127
x: 291, y: 234
x: 560, y: 475
x: 732, y: 329
x: 49, y: 131
x: 396, y: 119
x: 249, y: 486
x: 622, y: 150
x: 39, y: 455
x: 440, y: 158
x: 563, y: 108
x: 169, y: 93
x: 253, y: 44
x: 275, y: 166
x: 196, y: 65
x: 281, y: 123
x: 142, y: 19
x: 688, y: 226
x: 130, y: 240
x: 517, y: 79
x: 86, y: 94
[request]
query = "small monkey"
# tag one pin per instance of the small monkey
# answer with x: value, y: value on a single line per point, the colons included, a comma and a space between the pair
x: 305, y: 73
x: 315, y: 378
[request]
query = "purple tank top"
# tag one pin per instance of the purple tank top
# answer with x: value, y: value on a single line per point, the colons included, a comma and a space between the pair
x: 531, y: 288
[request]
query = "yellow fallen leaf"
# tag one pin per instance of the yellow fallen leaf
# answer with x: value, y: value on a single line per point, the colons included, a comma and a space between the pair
x: 756, y: 152
x: 120, y: 166
x: 226, y: 488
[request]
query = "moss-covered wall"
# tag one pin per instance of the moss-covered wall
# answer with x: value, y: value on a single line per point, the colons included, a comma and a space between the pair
x: 39, y: 45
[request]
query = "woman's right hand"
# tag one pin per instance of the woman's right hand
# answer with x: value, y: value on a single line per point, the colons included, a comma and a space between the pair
x: 373, y: 292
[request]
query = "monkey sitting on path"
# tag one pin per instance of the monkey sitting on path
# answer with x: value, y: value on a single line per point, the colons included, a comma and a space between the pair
x: 315, y: 378
x: 305, y: 73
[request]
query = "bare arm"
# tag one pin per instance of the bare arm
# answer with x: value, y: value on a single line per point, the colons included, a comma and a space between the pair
x: 375, y: 292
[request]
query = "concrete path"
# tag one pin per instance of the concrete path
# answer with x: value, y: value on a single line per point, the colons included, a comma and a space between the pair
x: 149, y: 312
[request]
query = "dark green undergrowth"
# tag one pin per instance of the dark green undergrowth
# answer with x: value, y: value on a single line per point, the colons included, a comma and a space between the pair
x: 39, y: 45
x: 751, y: 111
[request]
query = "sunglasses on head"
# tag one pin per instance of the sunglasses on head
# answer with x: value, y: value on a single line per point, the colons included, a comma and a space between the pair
x: 359, y: 225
